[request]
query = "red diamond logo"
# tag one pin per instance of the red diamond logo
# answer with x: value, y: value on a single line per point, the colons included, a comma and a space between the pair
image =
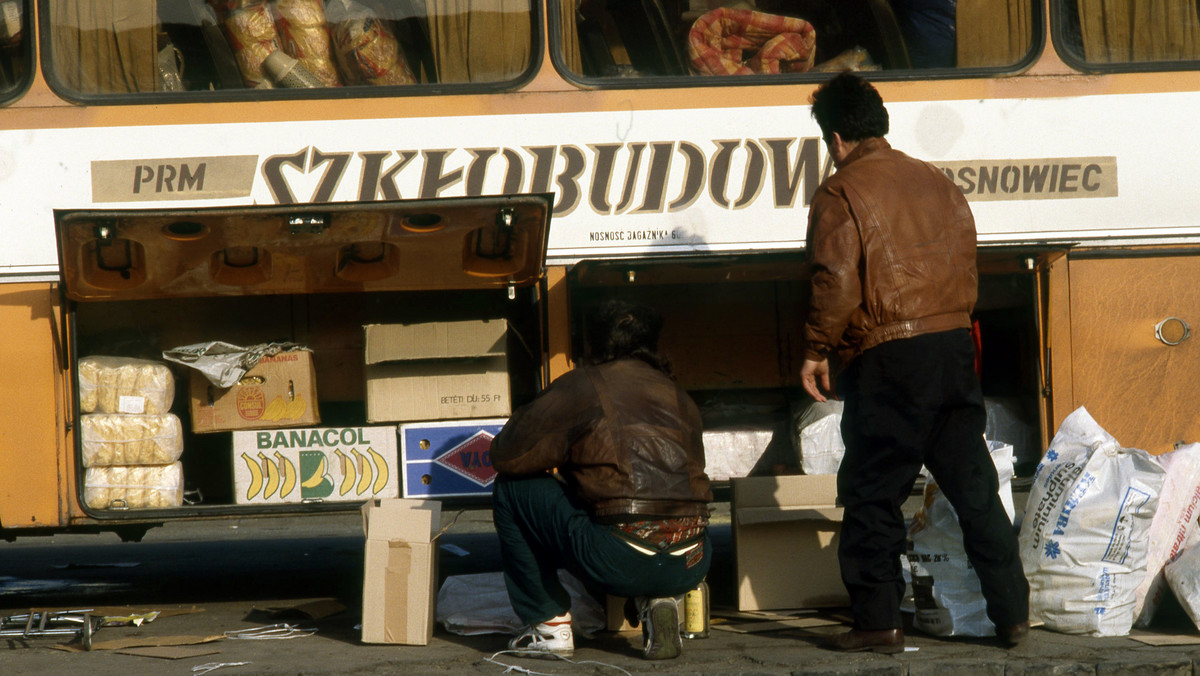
x: 471, y: 459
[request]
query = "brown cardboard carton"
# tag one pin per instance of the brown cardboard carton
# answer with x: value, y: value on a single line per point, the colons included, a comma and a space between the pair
x: 436, y: 371
x: 785, y: 537
x: 399, y: 571
x: 280, y: 391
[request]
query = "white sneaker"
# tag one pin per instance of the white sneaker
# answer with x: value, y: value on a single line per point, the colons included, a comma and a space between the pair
x: 547, y: 640
x: 660, y: 628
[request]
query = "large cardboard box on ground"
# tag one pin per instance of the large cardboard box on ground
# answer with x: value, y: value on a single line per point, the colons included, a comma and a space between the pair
x: 436, y: 370
x: 399, y: 571
x: 326, y: 464
x: 280, y: 391
x: 785, y: 537
x: 453, y: 458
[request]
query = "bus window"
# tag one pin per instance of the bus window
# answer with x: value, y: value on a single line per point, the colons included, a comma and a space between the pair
x: 14, y: 70
x: 622, y: 39
x: 1120, y: 34
x: 119, y: 47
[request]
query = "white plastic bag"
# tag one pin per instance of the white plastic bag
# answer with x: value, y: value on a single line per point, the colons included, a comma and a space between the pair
x: 817, y: 436
x: 1173, y: 528
x: 1183, y: 576
x: 468, y: 605
x: 1085, y: 534
x: 946, y: 590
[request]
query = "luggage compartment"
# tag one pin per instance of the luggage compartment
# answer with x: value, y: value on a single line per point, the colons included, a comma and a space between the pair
x: 141, y: 283
x: 733, y: 333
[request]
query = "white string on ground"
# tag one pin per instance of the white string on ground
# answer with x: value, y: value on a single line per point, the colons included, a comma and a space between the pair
x: 511, y: 668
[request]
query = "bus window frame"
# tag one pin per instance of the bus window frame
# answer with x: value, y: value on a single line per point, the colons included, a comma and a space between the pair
x: 246, y: 94
x: 1037, y: 46
x: 1058, y: 12
x: 26, y: 51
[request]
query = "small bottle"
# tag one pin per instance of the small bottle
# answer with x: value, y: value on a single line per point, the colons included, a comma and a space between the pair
x: 695, y: 612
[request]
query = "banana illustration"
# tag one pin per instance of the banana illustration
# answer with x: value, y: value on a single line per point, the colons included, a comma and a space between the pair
x: 294, y: 409
x: 348, y: 475
x: 381, y: 471
x: 274, y: 409
x: 289, y: 474
x: 315, y: 478
x: 364, y: 471
x: 256, y: 476
x: 272, y: 475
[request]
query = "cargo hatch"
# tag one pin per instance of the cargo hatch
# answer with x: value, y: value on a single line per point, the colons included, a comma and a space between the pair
x: 469, y: 243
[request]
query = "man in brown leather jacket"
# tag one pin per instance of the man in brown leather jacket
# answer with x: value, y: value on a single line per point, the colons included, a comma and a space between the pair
x: 603, y: 475
x: 891, y: 245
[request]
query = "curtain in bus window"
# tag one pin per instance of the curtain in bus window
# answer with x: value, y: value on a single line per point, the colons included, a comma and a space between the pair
x: 479, y: 40
x: 105, y: 46
x: 1119, y: 31
x: 569, y: 33
x: 993, y: 32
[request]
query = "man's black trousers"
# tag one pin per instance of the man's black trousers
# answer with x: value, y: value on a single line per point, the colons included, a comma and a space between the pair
x: 913, y: 402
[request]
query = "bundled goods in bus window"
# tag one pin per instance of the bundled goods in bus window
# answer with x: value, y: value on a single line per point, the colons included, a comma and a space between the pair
x: 134, y: 486
x: 109, y: 439
x: 125, y: 385
x: 305, y: 37
x: 250, y: 28
x: 728, y: 41
x: 365, y: 47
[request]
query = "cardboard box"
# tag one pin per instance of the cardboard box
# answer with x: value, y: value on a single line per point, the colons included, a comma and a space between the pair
x: 399, y: 571
x: 326, y: 464
x: 436, y: 371
x: 280, y: 391
x: 444, y: 459
x: 785, y: 538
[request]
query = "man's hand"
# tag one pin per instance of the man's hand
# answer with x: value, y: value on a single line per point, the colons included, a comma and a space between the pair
x: 816, y: 373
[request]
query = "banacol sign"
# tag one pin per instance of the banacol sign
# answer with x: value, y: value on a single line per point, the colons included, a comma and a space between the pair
x: 606, y: 179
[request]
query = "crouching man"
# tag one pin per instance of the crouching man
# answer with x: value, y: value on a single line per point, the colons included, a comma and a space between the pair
x: 603, y: 475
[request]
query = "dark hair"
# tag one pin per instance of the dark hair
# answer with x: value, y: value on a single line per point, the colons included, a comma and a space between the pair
x: 850, y: 106
x: 618, y: 329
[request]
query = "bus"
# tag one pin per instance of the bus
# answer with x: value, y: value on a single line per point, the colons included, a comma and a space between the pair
x: 386, y: 195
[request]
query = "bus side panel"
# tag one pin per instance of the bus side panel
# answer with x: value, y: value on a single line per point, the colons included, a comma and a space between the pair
x: 1138, y: 388
x: 33, y: 488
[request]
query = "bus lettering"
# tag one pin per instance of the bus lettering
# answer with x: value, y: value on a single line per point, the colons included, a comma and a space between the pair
x: 1061, y: 178
x: 168, y: 178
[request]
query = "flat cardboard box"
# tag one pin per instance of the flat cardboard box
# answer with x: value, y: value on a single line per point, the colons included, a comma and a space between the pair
x: 326, y: 464
x: 280, y: 391
x: 785, y: 538
x: 399, y: 571
x: 451, y: 458
x: 436, y: 370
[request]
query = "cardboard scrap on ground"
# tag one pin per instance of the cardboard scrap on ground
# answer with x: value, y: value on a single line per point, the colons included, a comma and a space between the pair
x: 310, y: 609
x: 139, y: 642
x: 1156, y: 639
x: 169, y: 652
x: 755, y: 621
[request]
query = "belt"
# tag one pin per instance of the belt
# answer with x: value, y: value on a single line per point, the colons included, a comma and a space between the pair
x: 650, y: 552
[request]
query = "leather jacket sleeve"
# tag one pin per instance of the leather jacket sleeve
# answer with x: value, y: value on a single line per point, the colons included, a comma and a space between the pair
x: 538, y: 436
x: 834, y: 253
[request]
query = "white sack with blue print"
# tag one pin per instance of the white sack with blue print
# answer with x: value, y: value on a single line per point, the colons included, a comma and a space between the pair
x: 1085, y: 533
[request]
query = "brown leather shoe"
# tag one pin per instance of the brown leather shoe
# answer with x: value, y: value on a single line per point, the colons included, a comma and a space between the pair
x: 887, y: 641
x: 1012, y: 635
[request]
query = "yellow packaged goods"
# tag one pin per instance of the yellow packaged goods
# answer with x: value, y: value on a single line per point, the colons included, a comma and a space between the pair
x: 120, y: 439
x: 134, y: 487
x: 125, y: 385
x: 305, y: 37
x: 365, y: 47
x: 250, y: 28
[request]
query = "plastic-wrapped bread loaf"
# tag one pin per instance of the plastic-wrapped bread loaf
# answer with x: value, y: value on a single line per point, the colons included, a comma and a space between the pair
x: 134, y: 487
x: 365, y: 47
x: 125, y: 385
x: 305, y: 37
x: 119, y: 439
x: 250, y: 28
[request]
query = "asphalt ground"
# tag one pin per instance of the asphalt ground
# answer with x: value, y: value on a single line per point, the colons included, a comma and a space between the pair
x: 218, y: 580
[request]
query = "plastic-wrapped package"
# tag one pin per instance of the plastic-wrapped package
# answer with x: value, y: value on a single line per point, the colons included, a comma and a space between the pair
x: 134, y: 487
x: 305, y: 37
x: 365, y: 47
x: 250, y: 28
x: 118, y: 439
x: 125, y: 385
